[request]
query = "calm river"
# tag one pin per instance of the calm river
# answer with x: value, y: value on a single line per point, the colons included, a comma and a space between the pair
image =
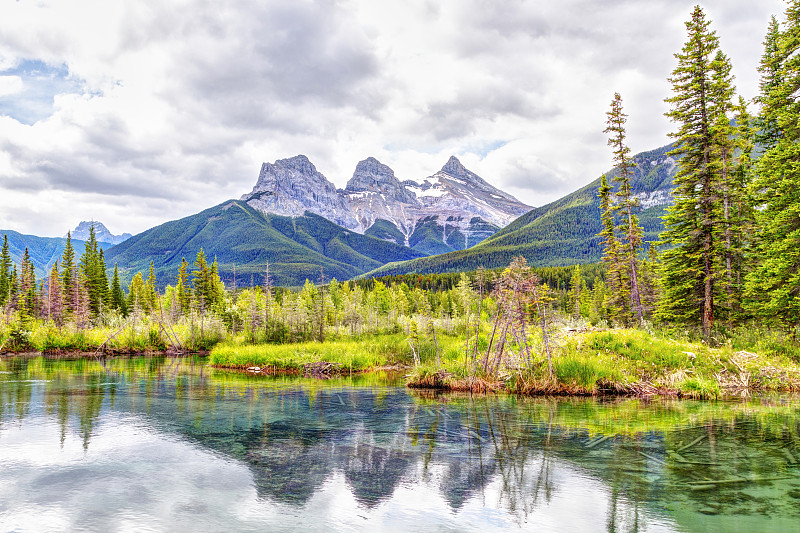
x: 161, y: 444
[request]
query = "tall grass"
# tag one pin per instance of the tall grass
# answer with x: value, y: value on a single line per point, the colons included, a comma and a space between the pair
x: 352, y: 354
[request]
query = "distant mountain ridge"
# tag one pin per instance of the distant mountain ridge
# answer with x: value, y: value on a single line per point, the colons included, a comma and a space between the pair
x: 450, y: 210
x: 43, y: 251
x: 247, y: 240
x: 563, y: 232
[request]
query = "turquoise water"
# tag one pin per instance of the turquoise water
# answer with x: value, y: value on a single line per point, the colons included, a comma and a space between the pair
x: 171, y: 445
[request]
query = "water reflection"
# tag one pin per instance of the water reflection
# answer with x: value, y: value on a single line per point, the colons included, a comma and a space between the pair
x: 365, y: 453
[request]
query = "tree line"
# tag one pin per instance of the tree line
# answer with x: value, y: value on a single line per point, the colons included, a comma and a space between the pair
x: 732, y: 234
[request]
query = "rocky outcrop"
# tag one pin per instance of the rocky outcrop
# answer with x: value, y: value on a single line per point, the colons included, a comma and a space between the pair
x: 290, y: 187
x: 101, y: 233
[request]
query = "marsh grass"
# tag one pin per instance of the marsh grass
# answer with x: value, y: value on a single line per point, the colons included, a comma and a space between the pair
x: 353, y: 354
x: 142, y: 334
x: 627, y: 362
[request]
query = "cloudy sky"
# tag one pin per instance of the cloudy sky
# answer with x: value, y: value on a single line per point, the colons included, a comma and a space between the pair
x: 135, y: 113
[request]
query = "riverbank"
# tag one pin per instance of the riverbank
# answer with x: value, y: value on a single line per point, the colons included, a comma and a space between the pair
x: 614, y: 362
x: 619, y: 362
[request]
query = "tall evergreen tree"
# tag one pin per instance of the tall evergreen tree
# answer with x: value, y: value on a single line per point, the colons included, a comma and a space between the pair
x: 693, y: 223
x: 626, y: 203
x: 5, y: 272
x: 68, y: 277
x: 26, y: 297
x: 767, y: 131
x: 183, y: 290
x: 55, y: 298
x: 117, y: 299
x: 773, y: 286
x: 92, y: 266
x: 150, y: 288
x: 612, y: 254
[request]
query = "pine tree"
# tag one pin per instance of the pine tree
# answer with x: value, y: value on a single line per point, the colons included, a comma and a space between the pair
x: 117, y: 296
x: 92, y: 267
x: 626, y: 203
x: 693, y: 223
x: 5, y: 272
x: 767, y: 131
x: 612, y: 254
x: 26, y: 297
x: 151, y: 296
x: 68, y: 275
x: 55, y: 298
x: 183, y: 290
x: 773, y: 286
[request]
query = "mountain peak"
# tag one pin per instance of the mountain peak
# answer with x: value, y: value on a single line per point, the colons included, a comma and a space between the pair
x: 454, y: 166
x: 101, y: 233
x: 292, y: 186
x: 372, y: 176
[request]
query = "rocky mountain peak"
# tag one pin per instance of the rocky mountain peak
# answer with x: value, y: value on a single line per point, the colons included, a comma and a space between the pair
x: 454, y: 167
x: 101, y: 233
x: 292, y: 186
x: 372, y: 176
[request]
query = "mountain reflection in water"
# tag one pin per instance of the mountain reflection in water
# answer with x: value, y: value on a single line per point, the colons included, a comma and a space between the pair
x: 169, y: 444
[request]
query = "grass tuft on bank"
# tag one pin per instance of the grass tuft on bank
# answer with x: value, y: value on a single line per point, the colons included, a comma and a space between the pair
x: 353, y: 354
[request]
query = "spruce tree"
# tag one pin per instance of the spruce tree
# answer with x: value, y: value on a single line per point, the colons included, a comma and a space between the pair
x: 575, y: 292
x: 68, y: 275
x: 732, y: 193
x: 117, y: 296
x: 184, y: 292
x: 773, y: 286
x: 693, y: 223
x: 92, y: 267
x: 200, y: 279
x: 55, y: 298
x: 26, y: 297
x: 612, y: 254
x: 150, y: 288
x: 5, y: 272
x: 767, y: 131
x: 626, y: 203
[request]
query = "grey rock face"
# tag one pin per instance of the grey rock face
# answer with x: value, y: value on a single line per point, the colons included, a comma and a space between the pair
x: 373, y: 176
x: 101, y: 233
x: 293, y: 186
x: 471, y: 206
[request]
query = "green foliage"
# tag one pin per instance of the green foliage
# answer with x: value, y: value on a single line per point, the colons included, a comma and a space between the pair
x: 93, y: 268
x: 5, y: 272
x: 356, y: 354
x: 697, y: 225
x: 773, y: 285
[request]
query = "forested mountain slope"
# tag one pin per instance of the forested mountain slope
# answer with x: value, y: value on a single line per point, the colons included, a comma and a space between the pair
x: 235, y: 233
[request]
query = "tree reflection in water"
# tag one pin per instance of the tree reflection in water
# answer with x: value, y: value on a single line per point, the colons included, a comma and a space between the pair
x: 644, y: 463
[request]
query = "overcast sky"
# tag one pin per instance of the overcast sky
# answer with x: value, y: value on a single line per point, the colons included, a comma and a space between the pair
x: 136, y: 113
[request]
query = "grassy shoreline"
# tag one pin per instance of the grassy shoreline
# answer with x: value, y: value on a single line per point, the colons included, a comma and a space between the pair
x: 602, y: 362
x: 618, y: 362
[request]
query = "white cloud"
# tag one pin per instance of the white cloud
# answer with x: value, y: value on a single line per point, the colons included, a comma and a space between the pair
x: 162, y: 109
x: 10, y: 85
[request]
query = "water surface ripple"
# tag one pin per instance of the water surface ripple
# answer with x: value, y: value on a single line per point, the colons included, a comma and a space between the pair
x: 163, y: 444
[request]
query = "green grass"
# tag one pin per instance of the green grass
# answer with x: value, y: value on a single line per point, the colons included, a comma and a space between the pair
x: 354, y: 354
